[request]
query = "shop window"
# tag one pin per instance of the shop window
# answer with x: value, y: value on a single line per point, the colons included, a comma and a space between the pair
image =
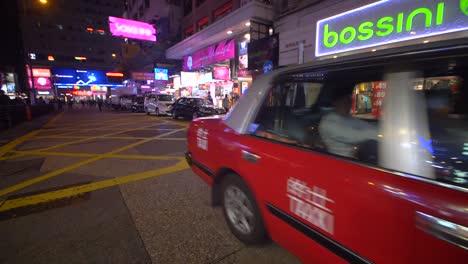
x: 202, y: 23
x: 141, y: 11
x: 188, y: 31
x: 223, y: 10
x: 187, y: 7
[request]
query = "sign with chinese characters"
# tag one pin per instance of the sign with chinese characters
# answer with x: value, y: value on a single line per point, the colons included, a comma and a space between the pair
x: 389, y: 21
x: 202, y: 138
x: 131, y: 29
x: 378, y: 95
x: 311, y: 204
x: 224, y: 50
x: 41, y: 72
x: 143, y: 76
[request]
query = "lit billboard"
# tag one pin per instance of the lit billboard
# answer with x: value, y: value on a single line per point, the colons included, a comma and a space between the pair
x: 389, y: 21
x: 84, y: 77
x: 161, y: 74
x: 131, y: 29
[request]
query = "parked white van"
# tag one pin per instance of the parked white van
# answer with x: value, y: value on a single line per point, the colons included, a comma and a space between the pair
x: 159, y: 104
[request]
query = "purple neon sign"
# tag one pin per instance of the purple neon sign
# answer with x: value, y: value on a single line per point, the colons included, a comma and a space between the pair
x: 131, y: 29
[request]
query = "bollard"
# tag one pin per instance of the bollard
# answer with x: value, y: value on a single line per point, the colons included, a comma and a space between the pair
x: 28, y: 113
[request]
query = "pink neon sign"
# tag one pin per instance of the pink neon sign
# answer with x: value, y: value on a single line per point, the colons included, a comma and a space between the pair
x: 131, y: 29
x: 221, y: 73
x: 210, y: 55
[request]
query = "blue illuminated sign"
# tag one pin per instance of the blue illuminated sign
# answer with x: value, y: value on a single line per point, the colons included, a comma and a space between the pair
x: 389, y: 21
x: 72, y: 77
x: 161, y: 74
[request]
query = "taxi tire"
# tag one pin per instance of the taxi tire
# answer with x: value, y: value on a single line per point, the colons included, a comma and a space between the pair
x: 259, y: 234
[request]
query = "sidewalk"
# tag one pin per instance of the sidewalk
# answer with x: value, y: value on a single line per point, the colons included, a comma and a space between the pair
x: 24, y: 128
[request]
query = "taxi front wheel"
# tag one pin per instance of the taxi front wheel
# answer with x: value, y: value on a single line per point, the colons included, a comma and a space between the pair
x: 241, y: 211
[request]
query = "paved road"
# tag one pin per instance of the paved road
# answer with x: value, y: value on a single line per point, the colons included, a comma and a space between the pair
x: 107, y: 187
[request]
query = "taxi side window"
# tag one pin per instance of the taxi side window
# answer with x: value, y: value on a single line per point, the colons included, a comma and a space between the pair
x: 287, y: 115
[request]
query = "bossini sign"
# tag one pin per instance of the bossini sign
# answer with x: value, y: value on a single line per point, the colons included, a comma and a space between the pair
x: 389, y: 21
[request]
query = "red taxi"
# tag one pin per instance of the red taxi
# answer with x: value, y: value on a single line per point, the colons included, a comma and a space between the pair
x: 358, y: 161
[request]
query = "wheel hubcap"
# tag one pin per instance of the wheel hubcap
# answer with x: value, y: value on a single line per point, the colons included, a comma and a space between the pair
x: 239, y: 210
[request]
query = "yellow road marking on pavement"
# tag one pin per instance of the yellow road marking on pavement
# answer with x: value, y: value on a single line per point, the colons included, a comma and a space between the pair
x: 53, y: 120
x: 81, y: 140
x: 64, y: 193
x: 169, y: 121
x: 46, y: 176
x: 11, y: 145
x: 108, y: 127
x: 76, y: 165
x: 88, y: 155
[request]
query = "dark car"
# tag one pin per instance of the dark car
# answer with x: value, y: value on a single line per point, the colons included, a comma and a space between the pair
x: 138, y: 104
x: 193, y: 107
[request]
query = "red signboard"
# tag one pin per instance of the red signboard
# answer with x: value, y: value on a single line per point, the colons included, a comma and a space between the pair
x: 143, y: 76
x: 213, y: 54
x: 378, y: 95
x: 39, y: 72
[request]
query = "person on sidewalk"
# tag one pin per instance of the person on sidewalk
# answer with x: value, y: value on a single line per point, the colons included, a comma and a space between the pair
x: 226, y: 103
x: 99, y: 103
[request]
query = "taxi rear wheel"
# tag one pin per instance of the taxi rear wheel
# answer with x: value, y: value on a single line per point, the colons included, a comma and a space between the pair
x: 241, y: 211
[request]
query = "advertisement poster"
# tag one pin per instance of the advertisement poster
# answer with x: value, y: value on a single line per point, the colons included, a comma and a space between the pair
x: 221, y: 73
x: 378, y: 90
x: 42, y: 83
x: 263, y: 52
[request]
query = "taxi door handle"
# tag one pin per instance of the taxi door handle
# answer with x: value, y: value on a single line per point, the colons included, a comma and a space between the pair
x: 250, y: 157
x: 450, y: 232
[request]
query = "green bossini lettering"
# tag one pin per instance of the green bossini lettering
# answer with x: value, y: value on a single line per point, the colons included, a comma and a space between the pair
x: 384, y: 27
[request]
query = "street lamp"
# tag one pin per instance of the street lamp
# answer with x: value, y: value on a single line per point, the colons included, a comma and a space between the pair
x: 43, y: 2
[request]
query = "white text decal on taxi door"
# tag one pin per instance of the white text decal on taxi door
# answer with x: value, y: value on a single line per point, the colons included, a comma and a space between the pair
x: 310, y: 204
x: 202, y: 138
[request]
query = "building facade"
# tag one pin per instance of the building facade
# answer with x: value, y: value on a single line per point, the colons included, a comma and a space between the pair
x: 165, y: 16
x: 71, y: 34
x: 214, y: 45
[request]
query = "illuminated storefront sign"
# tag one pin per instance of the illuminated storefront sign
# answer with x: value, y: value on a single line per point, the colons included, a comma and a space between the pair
x: 131, y: 29
x: 143, y: 76
x: 39, y: 72
x: 225, y: 50
x: 221, y: 73
x: 389, y: 21
x: 161, y: 74
x: 74, y: 77
x: 42, y: 83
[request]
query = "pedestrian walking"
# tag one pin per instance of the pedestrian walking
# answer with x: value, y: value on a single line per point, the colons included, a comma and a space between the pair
x: 99, y: 103
x: 226, y: 103
x: 70, y: 104
x: 209, y: 98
